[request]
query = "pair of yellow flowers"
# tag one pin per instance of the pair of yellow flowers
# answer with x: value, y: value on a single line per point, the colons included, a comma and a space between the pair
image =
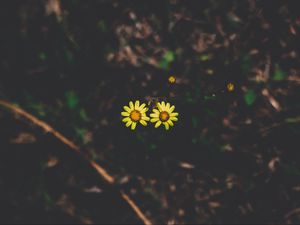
x: 136, y: 113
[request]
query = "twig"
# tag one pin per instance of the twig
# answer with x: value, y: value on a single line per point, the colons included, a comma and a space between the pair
x: 100, y: 170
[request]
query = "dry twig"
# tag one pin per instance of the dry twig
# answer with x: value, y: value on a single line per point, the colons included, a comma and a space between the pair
x: 100, y: 170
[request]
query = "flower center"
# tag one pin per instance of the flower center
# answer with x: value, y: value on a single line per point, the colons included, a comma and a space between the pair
x: 135, y: 115
x: 164, y: 116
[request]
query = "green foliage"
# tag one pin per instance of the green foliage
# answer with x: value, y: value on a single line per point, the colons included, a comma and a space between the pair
x: 195, y: 121
x: 279, y: 74
x: 42, y: 56
x: 250, y: 97
x: 291, y: 170
x: 71, y: 99
x: 205, y: 57
x: 81, y: 132
x: 102, y: 26
x: 167, y: 59
x: 293, y: 120
x: 69, y: 57
x: 246, y: 64
x: 83, y: 115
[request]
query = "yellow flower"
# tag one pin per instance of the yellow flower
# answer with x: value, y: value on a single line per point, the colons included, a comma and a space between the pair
x: 230, y: 87
x: 172, y: 79
x: 135, y: 113
x: 164, y: 115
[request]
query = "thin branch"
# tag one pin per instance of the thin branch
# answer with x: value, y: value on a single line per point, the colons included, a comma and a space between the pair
x: 100, y: 170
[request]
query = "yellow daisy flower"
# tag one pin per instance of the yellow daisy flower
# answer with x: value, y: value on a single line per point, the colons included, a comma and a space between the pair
x: 164, y: 115
x: 135, y: 113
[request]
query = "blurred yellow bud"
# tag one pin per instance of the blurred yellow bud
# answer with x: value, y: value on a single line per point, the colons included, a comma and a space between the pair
x: 230, y: 87
x: 172, y: 79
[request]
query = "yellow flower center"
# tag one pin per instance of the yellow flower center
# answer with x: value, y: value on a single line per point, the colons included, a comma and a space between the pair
x: 164, y: 116
x: 135, y: 115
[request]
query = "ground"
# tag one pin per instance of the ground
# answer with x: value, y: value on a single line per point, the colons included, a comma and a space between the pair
x: 230, y: 158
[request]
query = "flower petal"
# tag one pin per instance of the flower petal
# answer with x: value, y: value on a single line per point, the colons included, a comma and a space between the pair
x: 137, y: 104
x: 171, y: 123
x: 153, y: 120
x: 128, y: 123
x: 131, y: 105
x: 155, y: 111
x: 143, y: 122
x: 174, y: 114
x: 143, y: 110
x: 157, y: 124
x: 166, y: 125
x: 167, y: 106
x: 133, y: 125
x: 154, y: 115
x: 127, y: 109
x: 125, y: 114
x: 163, y: 106
x: 146, y: 118
x: 173, y: 118
x: 172, y: 108
x: 126, y: 119
x: 142, y: 106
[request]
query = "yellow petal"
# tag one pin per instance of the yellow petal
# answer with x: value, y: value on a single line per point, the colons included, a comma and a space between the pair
x: 160, y: 107
x: 174, y: 114
x: 171, y: 123
x: 153, y: 120
x: 142, y: 106
x: 157, y: 124
x: 166, y: 125
x: 143, y: 122
x: 128, y: 123
x: 133, y: 125
x: 137, y: 104
x: 146, y: 118
x: 131, y: 105
x: 155, y: 111
x: 144, y: 110
x: 127, y: 109
x: 173, y: 118
x: 126, y: 119
x: 172, y: 108
x: 154, y: 115
x: 167, y: 106
x: 125, y: 114
x: 163, y: 106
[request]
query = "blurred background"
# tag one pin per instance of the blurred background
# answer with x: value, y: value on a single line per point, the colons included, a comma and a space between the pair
x: 231, y: 157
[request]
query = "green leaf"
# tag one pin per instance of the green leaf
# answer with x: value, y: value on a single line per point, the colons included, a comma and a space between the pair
x: 293, y: 120
x: 42, y: 56
x: 250, y: 97
x: 279, y: 74
x: 206, y: 57
x: 72, y: 99
x: 246, y: 64
x: 152, y: 146
x: 102, y: 25
x: 195, y: 121
x: 164, y: 64
x: 83, y: 115
x: 81, y: 132
x: 169, y: 56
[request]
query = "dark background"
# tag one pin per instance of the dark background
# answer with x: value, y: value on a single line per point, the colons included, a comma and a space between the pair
x: 232, y: 157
